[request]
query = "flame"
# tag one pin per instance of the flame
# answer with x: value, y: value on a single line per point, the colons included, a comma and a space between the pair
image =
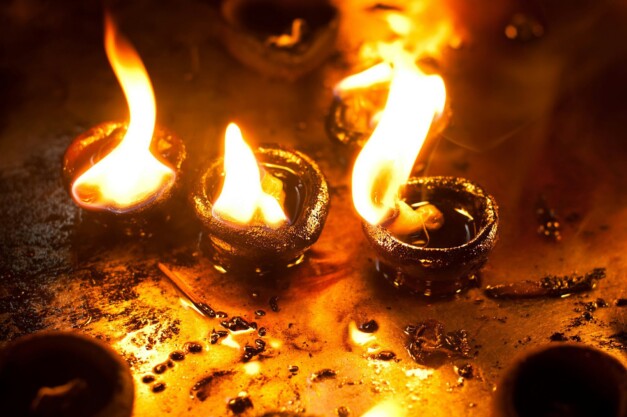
x: 242, y: 195
x: 388, y: 408
x: 414, y: 100
x: 129, y: 176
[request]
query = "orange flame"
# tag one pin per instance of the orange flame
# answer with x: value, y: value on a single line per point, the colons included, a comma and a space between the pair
x: 414, y: 100
x: 242, y: 195
x: 129, y: 176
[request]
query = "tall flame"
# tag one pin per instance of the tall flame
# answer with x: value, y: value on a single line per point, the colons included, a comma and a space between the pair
x: 414, y: 100
x: 384, y: 164
x: 129, y: 176
x: 242, y: 195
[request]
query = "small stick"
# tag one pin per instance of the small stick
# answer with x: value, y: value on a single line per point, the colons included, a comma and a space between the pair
x: 184, y: 289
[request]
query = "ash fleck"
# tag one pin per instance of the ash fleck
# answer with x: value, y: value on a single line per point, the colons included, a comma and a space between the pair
x: 147, y: 379
x: 429, y: 345
x: 221, y: 314
x: 202, y: 388
x: 621, y: 302
x: 385, y: 355
x: 158, y: 387
x: 193, y: 347
x: 548, y: 286
x: 293, y: 369
x: 240, y: 404
x: 252, y: 351
x: 260, y: 313
x: 549, y: 225
x: 160, y: 368
x: 370, y: 326
x: 323, y: 374
x: 558, y: 337
x: 262, y: 331
x: 215, y: 336
x: 343, y: 411
x: 177, y: 356
x: 274, y: 304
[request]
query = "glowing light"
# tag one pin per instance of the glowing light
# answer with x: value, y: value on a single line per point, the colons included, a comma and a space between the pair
x: 419, y: 373
x: 386, y: 409
x: 230, y: 341
x: 242, y: 195
x: 384, y: 164
x: 252, y: 368
x: 358, y: 337
x: 130, y: 176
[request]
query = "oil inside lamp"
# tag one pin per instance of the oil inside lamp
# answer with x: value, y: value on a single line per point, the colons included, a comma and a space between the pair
x: 416, y: 226
x: 261, y: 210
x: 120, y: 168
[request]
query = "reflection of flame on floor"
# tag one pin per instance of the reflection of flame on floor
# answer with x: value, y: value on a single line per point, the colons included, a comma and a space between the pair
x: 387, y: 408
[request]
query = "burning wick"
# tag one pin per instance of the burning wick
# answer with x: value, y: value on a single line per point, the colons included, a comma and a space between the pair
x: 129, y: 176
x: 246, y: 198
x: 271, y: 207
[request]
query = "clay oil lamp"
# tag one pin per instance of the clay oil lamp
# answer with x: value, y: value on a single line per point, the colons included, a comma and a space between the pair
x: 123, y: 175
x: 64, y: 374
x: 564, y: 379
x: 260, y: 210
x: 431, y: 235
x: 280, y: 38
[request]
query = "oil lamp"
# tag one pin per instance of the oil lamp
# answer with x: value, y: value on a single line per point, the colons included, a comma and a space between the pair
x: 563, y: 379
x: 259, y: 216
x: 431, y: 235
x: 124, y: 173
x: 64, y: 374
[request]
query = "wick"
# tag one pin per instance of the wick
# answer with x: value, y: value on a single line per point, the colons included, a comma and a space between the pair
x: 407, y: 220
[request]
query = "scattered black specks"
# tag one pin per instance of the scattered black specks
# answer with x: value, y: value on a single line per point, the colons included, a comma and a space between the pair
x: 558, y: 337
x: 252, y: 351
x: 323, y: 374
x: 549, y: 286
x: 293, y: 368
x: 621, y: 302
x: 240, y: 404
x: 370, y: 326
x: 575, y: 338
x: 549, y: 225
x: 193, y: 347
x: 177, y: 355
x: 160, y: 368
x: 274, y: 303
x: 260, y: 313
x: 429, y: 345
x: 617, y: 341
x: 237, y: 324
x: 385, y: 355
x: 215, y: 336
x: 202, y: 388
x: 147, y: 379
x: 465, y: 371
x: 158, y: 387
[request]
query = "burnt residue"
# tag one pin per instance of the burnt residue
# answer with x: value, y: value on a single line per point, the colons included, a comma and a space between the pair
x: 369, y: 326
x: 252, y: 351
x: 147, y: 379
x: 549, y: 225
x: 385, y: 355
x: 558, y: 337
x: 193, y: 347
x: 621, y: 302
x: 217, y: 335
x: 548, y: 286
x: 177, y: 355
x: 158, y: 387
x: 428, y: 344
x: 465, y: 371
x: 323, y: 374
x: 274, y: 303
x: 239, y: 404
x: 237, y: 323
x: 202, y: 388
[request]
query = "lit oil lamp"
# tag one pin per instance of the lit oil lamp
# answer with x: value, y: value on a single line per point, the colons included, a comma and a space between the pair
x: 431, y: 235
x: 119, y: 172
x: 260, y: 216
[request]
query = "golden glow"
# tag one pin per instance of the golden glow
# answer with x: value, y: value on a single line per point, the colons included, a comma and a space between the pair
x: 252, y: 368
x: 384, y: 164
x: 358, y: 337
x: 230, y: 341
x: 242, y: 195
x: 414, y: 100
x: 129, y: 176
x: 386, y: 409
